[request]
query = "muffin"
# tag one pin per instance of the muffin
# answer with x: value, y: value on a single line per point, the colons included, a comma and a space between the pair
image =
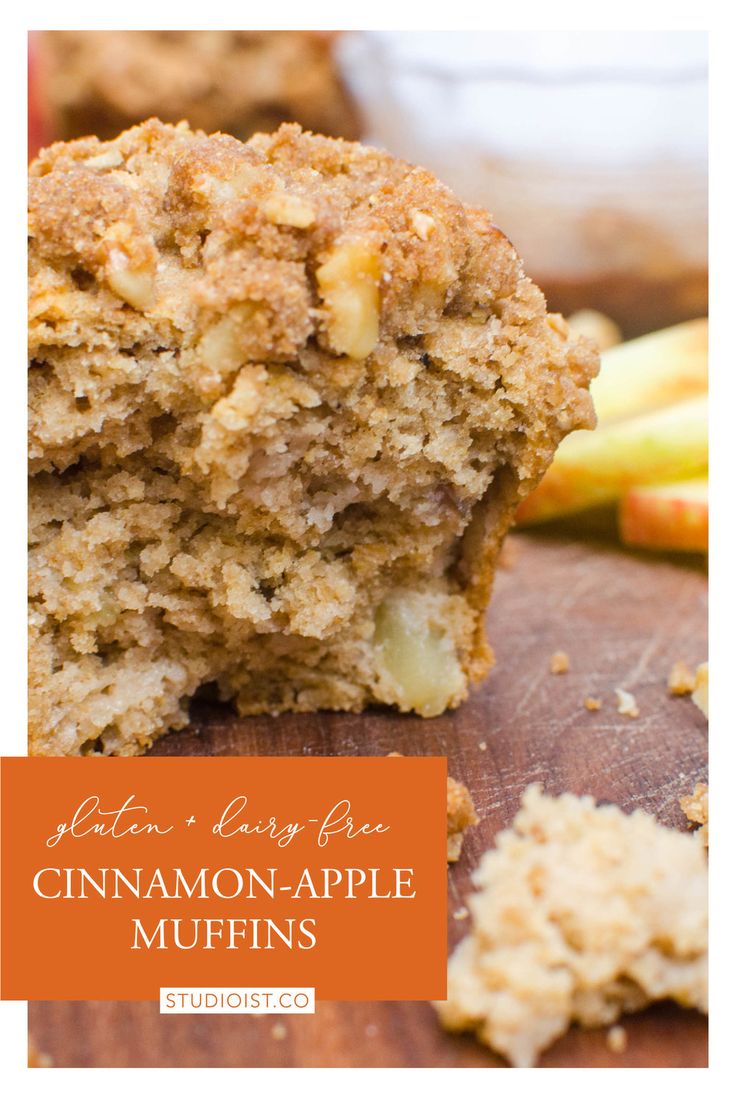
x: 285, y: 397
x: 100, y: 82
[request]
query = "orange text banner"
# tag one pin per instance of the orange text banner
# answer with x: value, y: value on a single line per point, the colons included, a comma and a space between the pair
x: 122, y: 876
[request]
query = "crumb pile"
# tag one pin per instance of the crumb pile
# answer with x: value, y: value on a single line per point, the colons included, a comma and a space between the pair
x: 240, y: 82
x: 582, y: 913
x: 285, y: 397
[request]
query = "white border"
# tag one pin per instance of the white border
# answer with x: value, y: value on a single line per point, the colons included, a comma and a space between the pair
x: 318, y: 1085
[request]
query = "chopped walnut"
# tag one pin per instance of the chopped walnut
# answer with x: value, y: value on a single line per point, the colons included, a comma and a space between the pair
x: 130, y: 262
x: 348, y: 282
x: 422, y: 224
x: 110, y: 159
x: 134, y: 286
x: 288, y: 210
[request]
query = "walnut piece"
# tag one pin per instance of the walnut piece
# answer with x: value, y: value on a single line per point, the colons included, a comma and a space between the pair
x: 348, y: 282
x: 288, y: 210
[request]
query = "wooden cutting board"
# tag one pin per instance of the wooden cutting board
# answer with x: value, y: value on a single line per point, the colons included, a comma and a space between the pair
x: 623, y: 619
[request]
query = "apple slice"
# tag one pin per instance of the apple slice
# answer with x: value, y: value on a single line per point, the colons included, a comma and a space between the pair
x: 652, y: 371
x: 591, y: 469
x: 673, y: 517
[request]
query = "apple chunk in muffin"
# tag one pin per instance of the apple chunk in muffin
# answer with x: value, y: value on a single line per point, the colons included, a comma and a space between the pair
x: 285, y: 397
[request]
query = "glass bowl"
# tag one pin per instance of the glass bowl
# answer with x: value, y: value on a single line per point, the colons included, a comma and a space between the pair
x: 589, y: 149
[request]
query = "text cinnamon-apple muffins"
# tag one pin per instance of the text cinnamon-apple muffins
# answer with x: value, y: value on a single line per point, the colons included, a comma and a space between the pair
x: 285, y: 397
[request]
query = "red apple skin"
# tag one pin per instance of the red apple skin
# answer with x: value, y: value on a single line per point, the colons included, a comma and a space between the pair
x: 39, y: 120
x: 671, y: 518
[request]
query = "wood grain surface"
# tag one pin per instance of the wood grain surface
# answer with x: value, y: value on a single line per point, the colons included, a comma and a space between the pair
x: 623, y: 620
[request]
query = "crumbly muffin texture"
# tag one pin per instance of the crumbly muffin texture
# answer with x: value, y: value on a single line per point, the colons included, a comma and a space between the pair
x: 240, y: 82
x: 461, y: 815
x: 285, y: 397
x: 582, y: 913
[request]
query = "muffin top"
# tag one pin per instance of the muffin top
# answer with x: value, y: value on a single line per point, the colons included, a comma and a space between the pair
x: 289, y: 249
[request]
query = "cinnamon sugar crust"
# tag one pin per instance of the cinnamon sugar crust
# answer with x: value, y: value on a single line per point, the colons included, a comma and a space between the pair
x: 285, y: 397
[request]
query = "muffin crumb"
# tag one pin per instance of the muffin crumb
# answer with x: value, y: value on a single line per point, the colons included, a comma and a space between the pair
x: 681, y: 679
x: 461, y: 815
x: 559, y: 663
x: 695, y: 808
x: 626, y: 706
x: 617, y: 1039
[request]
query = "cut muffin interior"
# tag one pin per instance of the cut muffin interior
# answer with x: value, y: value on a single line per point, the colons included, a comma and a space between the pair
x: 284, y: 399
